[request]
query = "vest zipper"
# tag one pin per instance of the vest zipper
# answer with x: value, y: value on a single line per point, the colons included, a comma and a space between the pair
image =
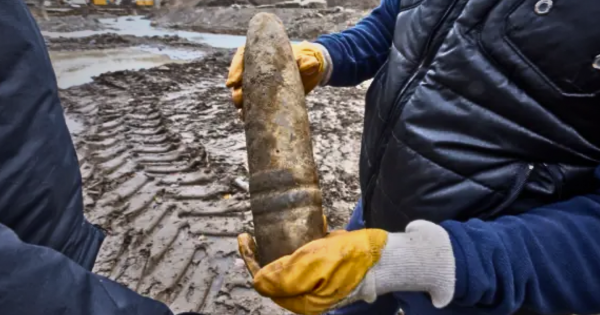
x: 397, y: 109
x: 513, y: 194
x: 556, y: 178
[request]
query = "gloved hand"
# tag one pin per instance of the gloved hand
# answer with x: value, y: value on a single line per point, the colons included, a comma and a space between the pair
x: 311, y: 63
x: 345, y: 267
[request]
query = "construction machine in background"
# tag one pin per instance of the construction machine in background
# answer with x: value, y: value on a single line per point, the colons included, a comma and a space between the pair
x: 142, y: 3
x: 42, y: 7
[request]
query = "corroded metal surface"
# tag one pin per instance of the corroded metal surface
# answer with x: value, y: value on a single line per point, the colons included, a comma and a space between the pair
x: 284, y: 188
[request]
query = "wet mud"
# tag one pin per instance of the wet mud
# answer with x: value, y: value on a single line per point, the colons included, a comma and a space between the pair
x: 71, y: 23
x: 163, y: 160
x: 303, y: 21
x: 128, y: 30
x: 112, y: 40
x: 301, y: 24
x: 78, y: 67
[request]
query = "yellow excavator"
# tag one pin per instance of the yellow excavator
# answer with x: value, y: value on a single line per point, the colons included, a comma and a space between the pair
x: 40, y: 5
x: 114, y: 2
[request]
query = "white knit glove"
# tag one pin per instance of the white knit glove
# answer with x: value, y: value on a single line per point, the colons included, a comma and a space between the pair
x: 420, y: 260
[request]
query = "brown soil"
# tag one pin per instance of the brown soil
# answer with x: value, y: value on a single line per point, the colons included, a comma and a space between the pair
x: 71, y: 23
x: 300, y: 23
x: 111, y: 40
x: 163, y: 163
x: 354, y: 4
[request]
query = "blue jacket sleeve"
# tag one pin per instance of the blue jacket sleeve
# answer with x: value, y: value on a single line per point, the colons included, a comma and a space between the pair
x: 358, y: 53
x: 40, y: 280
x: 546, y: 260
x: 40, y: 192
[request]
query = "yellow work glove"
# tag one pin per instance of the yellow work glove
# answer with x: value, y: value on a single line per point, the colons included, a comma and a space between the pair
x: 345, y: 267
x: 311, y: 63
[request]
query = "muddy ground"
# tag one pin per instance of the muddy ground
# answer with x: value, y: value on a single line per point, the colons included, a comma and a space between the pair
x: 163, y: 162
x: 301, y: 24
x: 305, y: 24
x: 304, y: 19
x: 111, y: 40
x: 71, y: 23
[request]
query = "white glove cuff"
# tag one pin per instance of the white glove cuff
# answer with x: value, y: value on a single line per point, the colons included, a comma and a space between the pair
x: 420, y: 260
x: 328, y: 66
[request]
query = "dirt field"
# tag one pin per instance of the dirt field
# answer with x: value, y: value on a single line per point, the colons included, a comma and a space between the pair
x: 70, y: 23
x: 305, y: 24
x: 304, y: 19
x: 163, y: 162
x: 111, y: 40
x: 301, y: 23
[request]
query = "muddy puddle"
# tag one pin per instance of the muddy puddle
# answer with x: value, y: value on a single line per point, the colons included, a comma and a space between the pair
x: 139, y: 26
x: 74, y: 124
x: 79, y: 67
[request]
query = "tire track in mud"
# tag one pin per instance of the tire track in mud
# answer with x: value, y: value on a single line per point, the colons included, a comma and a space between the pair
x: 162, y: 157
x: 164, y: 196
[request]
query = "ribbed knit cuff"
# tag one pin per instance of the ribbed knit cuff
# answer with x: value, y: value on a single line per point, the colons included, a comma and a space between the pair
x: 328, y: 66
x: 456, y: 231
x: 420, y: 260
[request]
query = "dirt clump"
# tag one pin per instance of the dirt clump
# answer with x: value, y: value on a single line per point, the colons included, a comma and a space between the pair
x: 163, y: 162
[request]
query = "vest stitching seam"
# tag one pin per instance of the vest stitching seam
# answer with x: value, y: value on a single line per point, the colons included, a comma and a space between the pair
x: 517, y: 126
x: 428, y: 160
x: 390, y: 200
x: 496, y: 65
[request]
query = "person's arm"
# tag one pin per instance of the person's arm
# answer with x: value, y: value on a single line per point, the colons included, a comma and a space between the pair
x: 546, y: 260
x: 356, y: 54
x: 40, y: 280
